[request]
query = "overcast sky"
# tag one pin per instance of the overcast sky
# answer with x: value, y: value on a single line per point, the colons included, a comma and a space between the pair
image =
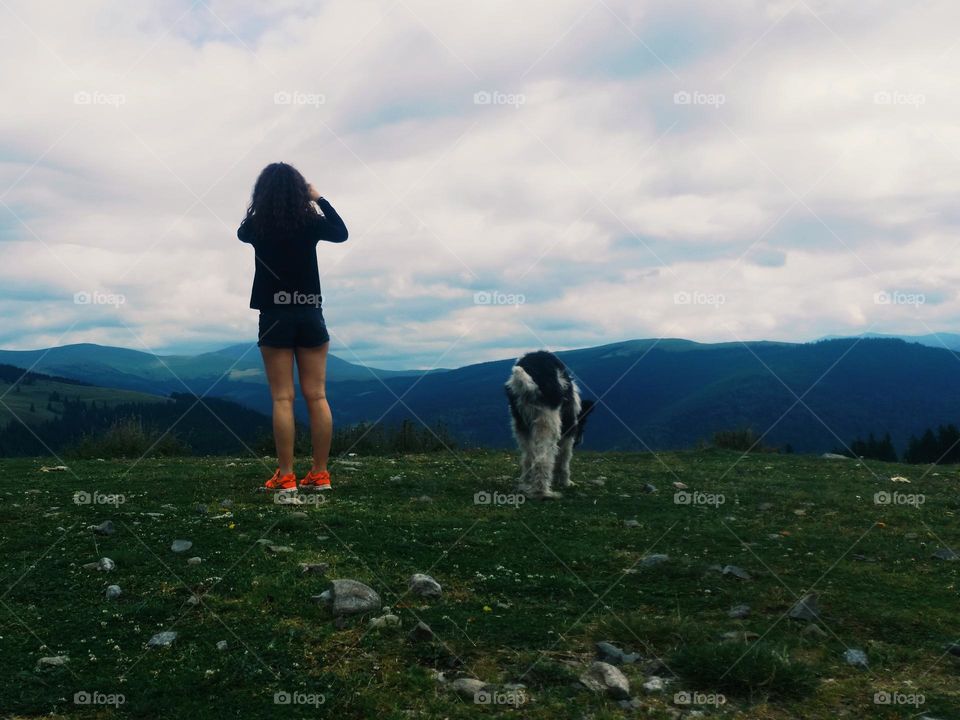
x: 514, y: 174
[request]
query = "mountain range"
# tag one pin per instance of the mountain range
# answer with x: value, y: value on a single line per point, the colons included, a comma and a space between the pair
x: 655, y: 393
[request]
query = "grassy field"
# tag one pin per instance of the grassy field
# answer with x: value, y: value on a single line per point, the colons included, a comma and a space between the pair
x: 527, y: 589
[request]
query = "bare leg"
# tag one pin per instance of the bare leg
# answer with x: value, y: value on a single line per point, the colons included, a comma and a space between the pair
x: 312, y: 365
x: 278, y: 363
x: 561, y: 473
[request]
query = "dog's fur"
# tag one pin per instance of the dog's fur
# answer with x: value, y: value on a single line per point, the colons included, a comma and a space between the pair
x: 548, y: 418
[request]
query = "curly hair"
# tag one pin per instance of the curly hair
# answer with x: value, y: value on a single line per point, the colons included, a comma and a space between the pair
x: 280, y: 200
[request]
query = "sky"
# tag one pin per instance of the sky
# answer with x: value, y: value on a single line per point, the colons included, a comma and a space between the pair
x: 514, y: 175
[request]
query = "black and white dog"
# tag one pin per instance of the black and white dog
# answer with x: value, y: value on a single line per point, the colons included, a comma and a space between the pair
x: 548, y: 419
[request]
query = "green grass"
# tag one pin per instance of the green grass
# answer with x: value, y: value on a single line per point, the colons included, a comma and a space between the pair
x: 527, y: 590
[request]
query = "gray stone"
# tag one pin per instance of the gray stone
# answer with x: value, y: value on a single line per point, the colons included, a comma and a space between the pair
x: 421, y: 633
x: 834, y: 456
x: 610, y: 653
x: 807, y: 608
x: 467, y: 688
x: 384, y: 621
x: 425, y: 586
x: 954, y: 649
x: 54, y: 661
x: 944, y: 554
x: 654, y: 560
x: 193, y: 600
x: 350, y: 597
x: 113, y: 592
x: 604, y: 677
x: 179, y: 546
x: 631, y: 523
x: 104, y: 528
x: 279, y: 549
x: 857, y: 658
x: 162, y: 639
x: 314, y: 568
x: 739, y: 612
x: 194, y: 561
x: 105, y: 564
x: 222, y: 645
x: 654, y: 684
x: 226, y: 503
x: 737, y: 572
x: 648, y: 488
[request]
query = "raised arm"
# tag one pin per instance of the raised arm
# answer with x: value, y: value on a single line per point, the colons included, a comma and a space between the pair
x: 330, y: 226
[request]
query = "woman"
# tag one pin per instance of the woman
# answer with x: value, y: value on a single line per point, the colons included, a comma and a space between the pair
x: 284, y: 226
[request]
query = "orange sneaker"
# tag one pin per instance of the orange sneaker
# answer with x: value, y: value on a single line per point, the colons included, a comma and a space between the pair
x: 278, y: 482
x: 316, y: 481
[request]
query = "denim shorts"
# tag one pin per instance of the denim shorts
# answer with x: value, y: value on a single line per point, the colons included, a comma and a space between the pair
x: 292, y: 327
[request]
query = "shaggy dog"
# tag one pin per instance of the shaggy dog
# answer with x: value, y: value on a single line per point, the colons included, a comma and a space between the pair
x: 548, y: 419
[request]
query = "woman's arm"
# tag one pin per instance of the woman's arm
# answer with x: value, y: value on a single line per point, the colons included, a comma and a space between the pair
x: 330, y: 225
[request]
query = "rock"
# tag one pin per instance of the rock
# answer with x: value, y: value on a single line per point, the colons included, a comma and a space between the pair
x: 314, y: 568
x: 104, y: 564
x: 424, y: 499
x: 55, y: 468
x: 104, y: 528
x: 179, y: 546
x: 226, y: 503
x: 113, y: 592
x: 350, y: 597
x: 193, y: 600
x: 857, y: 658
x: 814, y: 629
x: 421, y: 633
x: 383, y: 621
x: 736, y: 572
x: 654, y: 560
x: 680, y: 485
x: 631, y: 523
x: 162, y: 639
x: 739, y: 612
x: 899, y: 479
x: 764, y: 507
x: 654, y: 684
x: 424, y: 586
x: 222, y: 645
x: 610, y: 653
x: 604, y: 677
x: 278, y: 549
x: 200, y: 509
x: 740, y: 636
x: 467, y: 688
x: 194, y: 561
x: 631, y: 704
x: 648, y: 488
x: 834, y: 456
x: 944, y: 554
x: 807, y: 608
x: 54, y: 661
x: 954, y: 649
